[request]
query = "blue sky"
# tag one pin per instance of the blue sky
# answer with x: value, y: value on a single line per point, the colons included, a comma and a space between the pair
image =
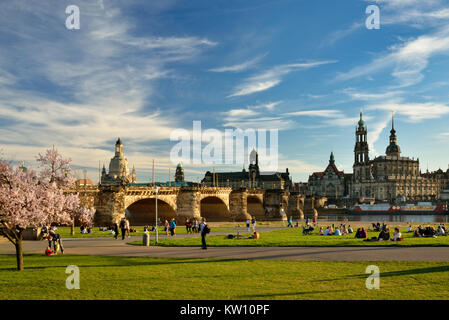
x: 141, y: 69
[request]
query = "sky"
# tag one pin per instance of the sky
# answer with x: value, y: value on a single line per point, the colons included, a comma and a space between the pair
x: 140, y: 70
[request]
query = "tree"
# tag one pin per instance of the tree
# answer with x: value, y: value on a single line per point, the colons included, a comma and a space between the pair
x: 21, y: 205
x: 57, y: 172
x: 31, y: 200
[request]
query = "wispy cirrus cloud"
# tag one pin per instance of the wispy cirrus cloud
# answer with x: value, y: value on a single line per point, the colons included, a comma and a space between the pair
x: 413, y: 112
x: 272, y: 77
x: 366, y: 96
x: 84, y: 88
x: 406, y: 60
x: 238, y: 67
x: 326, y: 113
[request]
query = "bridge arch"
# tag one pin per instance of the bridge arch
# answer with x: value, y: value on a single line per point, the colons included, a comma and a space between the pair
x: 143, y: 211
x: 214, y: 208
x: 254, y: 206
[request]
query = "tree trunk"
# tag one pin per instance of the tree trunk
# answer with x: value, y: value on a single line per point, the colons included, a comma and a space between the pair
x: 72, y: 228
x: 19, y: 252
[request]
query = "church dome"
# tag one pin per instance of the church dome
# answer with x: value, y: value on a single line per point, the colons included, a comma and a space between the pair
x: 393, y: 148
x: 361, y: 123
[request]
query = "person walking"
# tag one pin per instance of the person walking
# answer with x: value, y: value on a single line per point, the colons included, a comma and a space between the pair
x: 204, y: 229
x: 248, y: 221
x: 290, y: 222
x: 123, y: 228
x: 127, y: 227
x: 166, y: 227
x: 253, y: 222
x: 115, y: 230
x: 173, y: 227
x: 188, y: 226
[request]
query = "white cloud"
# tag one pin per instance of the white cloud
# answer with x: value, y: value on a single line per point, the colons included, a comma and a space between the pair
x: 268, y: 106
x: 406, y: 60
x: 414, y: 112
x: 330, y: 113
x: 237, y: 113
x: 238, y: 67
x: 101, y: 81
x: 271, y: 77
x: 364, y: 96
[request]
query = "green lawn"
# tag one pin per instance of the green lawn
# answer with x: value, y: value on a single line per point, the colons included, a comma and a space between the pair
x: 192, y: 279
x: 65, y: 232
x: 292, y: 237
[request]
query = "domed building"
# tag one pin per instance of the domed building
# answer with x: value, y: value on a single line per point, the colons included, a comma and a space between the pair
x: 389, y: 177
x: 118, y: 168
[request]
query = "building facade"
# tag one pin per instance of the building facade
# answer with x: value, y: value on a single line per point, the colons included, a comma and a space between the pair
x: 390, y: 177
x: 252, y: 178
x: 118, y: 168
x: 329, y: 183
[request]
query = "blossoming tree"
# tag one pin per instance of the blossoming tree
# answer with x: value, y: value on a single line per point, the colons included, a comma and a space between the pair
x: 31, y: 200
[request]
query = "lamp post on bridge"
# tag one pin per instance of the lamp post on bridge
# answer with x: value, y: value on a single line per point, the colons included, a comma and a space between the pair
x: 156, y: 189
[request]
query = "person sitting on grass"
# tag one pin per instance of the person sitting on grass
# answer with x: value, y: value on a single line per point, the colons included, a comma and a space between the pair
x: 441, y: 231
x: 337, y: 232
x: 429, y: 232
x: 383, y: 235
x: 321, y: 231
x: 397, y: 236
x: 409, y: 229
x: 306, y: 230
x: 255, y: 235
x: 361, y: 233
x: 350, y: 229
x: 328, y: 231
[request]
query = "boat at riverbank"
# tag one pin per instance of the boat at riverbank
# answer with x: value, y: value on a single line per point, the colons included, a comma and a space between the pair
x: 410, y: 208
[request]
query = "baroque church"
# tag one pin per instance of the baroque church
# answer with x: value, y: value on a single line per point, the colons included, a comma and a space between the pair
x: 390, y: 177
x: 118, y: 168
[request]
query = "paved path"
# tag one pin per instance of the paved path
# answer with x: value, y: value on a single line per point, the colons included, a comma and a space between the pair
x: 112, y: 247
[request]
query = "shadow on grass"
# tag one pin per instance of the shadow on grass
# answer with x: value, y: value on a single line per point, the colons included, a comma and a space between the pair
x: 115, y: 262
x: 268, y: 295
x: 393, y: 273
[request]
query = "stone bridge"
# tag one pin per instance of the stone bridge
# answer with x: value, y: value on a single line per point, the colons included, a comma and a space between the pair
x: 214, y: 203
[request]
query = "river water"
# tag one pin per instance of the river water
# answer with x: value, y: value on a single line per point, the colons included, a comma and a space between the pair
x: 423, y: 218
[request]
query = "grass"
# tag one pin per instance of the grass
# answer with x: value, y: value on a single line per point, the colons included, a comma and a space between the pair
x: 292, y: 237
x: 193, y: 279
x: 96, y: 233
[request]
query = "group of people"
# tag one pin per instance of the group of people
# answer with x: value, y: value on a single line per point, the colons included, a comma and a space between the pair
x: 54, y: 240
x: 341, y: 230
x: 170, y: 227
x: 251, y: 224
x: 124, y: 228
x: 192, y: 225
x: 428, y: 231
x: 384, y: 233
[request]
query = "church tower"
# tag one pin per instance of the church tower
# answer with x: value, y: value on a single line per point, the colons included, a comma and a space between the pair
x: 253, y: 168
x: 361, y: 165
x: 361, y: 150
x: 179, y: 174
x: 393, y: 149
